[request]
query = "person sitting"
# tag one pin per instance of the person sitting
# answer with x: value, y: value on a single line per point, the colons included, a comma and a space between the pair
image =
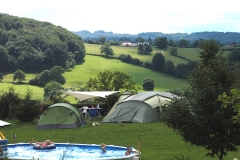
x: 84, y: 111
x: 130, y: 151
x: 103, y: 147
x: 41, y: 144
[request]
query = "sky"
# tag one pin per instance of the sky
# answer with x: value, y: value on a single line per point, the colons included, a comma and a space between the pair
x: 131, y: 16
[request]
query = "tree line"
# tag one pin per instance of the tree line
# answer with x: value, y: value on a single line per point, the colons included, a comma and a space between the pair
x: 28, y: 44
x: 221, y: 37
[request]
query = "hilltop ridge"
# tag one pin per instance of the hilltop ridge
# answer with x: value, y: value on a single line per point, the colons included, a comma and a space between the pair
x: 222, y: 37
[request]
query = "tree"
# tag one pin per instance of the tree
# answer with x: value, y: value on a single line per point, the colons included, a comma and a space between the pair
x: 19, y: 75
x: 1, y: 77
x: 148, y: 84
x: 55, y: 74
x: 144, y: 48
x: 232, y: 100
x: 112, y: 81
x: 200, y: 118
x: 197, y: 43
x: 173, y: 51
x: 234, y: 56
x: 149, y: 40
x: 50, y: 87
x: 102, y: 40
x: 181, y: 70
x: 161, y: 42
x: 106, y: 49
x: 183, y: 43
x: 169, y: 67
x: 158, y: 61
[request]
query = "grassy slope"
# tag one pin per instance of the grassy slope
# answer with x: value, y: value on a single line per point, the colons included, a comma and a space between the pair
x: 94, y: 64
x: 158, y: 142
x: 22, y: 88
x: 190, y: 53
x: 78, y: 76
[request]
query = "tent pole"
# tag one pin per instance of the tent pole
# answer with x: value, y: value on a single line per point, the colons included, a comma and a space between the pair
x: 108, y: 105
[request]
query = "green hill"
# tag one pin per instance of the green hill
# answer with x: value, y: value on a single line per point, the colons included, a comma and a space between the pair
x: 90, y: 68
x: 95, y: 64
x: 189, y: 53
x: 28, y: 44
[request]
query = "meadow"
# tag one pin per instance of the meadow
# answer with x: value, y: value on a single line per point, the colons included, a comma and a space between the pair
x: 190, y: 53
x: 77, y: 77
x: 158, y: 142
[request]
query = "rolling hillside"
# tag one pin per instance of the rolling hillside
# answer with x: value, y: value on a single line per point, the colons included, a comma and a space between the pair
x: 190, y: 53
x: 92, y: 65
x: 78, y: 76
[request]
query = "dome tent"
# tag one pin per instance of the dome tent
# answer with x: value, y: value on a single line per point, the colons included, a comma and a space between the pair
x: 60, y: 115
x: 140, y: 107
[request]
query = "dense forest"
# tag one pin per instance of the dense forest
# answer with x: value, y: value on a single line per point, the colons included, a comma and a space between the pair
x: 28, y: 44
x: 222, y: 37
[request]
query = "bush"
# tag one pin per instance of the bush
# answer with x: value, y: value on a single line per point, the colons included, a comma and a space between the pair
x: 8, y: 100
x: 148, y: 65
x: 27, y: 110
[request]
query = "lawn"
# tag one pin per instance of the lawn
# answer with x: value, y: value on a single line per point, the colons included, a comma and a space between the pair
x: 22, y: 88
x: 158, y: 142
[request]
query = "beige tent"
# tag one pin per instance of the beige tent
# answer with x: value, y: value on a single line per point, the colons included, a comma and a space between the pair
x: 88, y: 95
x: 139, y: 108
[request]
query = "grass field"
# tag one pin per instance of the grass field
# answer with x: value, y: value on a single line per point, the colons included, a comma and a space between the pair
x: 22, y: 88
x: 190, y: 53
x: 94, y: 64
x: 158, y: 142
x: 78, y: 76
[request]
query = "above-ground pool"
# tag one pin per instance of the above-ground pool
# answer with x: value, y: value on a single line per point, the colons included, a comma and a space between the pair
x: 66, y: 151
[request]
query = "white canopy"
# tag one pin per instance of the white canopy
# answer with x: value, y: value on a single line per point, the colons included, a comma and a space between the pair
x: 88, y: 95
x: 3, y: 123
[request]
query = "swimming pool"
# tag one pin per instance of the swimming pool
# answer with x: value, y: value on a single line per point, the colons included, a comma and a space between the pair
x: 67, y: 151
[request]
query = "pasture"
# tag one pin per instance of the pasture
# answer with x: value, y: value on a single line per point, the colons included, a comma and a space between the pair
x: 95, y: 64
x: 77, y: 77
x: 190, y: 53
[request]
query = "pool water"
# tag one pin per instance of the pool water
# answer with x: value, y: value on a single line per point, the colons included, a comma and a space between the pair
x: 65, y: 151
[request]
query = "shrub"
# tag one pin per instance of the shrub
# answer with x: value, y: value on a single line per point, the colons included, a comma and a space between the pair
x: 27, y: 110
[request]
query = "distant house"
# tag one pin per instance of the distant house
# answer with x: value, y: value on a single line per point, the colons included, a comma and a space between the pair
x: 128, y: 44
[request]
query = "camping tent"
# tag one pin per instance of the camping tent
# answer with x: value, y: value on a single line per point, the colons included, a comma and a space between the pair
x: 139, y: 108
x: 60, y: 115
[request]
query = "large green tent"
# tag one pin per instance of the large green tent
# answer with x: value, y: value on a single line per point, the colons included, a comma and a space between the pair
x: 140, y: 107
x: 60, y: 115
